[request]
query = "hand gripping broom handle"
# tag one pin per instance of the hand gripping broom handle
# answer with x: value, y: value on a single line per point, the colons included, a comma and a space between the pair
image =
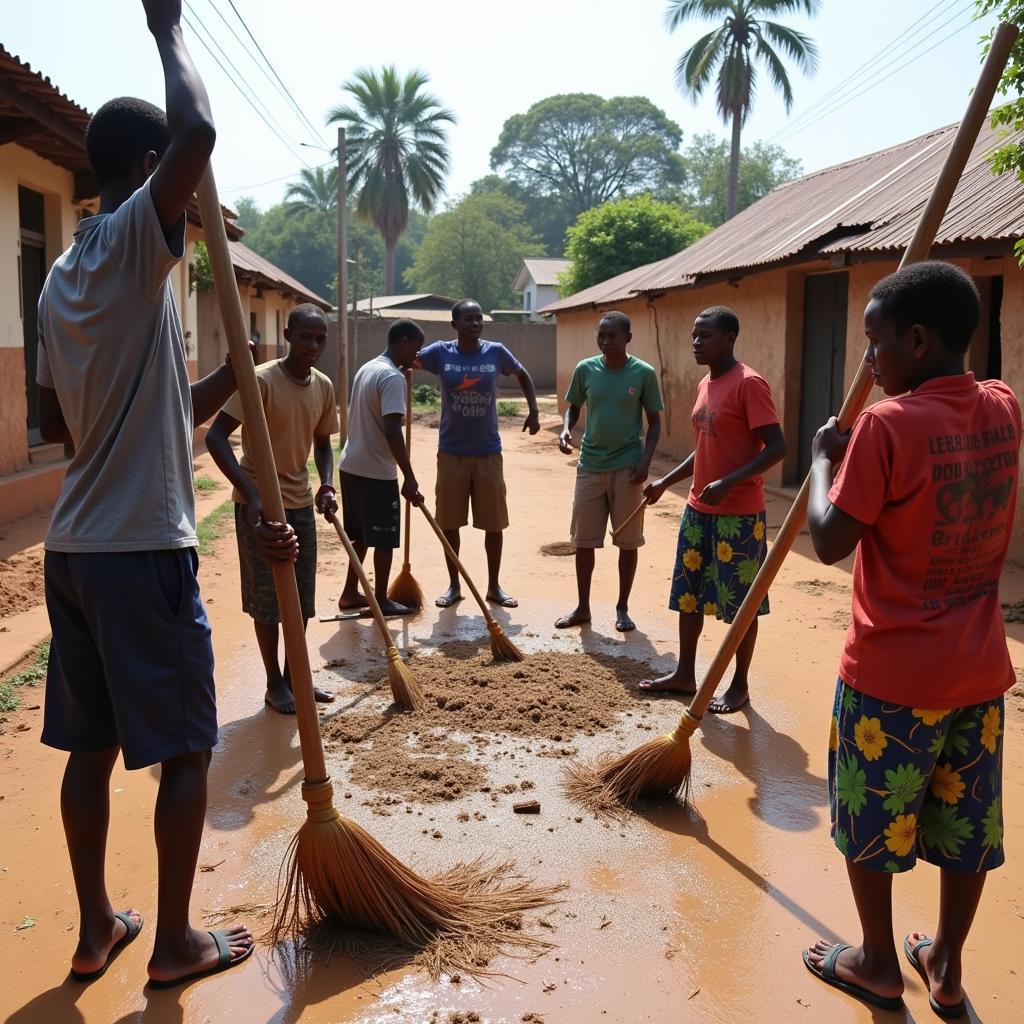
x: 917, y: 250
x: 408, y: 451
x: 258, y: 437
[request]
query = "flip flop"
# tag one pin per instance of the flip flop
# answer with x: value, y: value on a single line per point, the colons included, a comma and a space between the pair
x: 129, y: 936
x: 444, y: 602
x: 224, y: 963
x: 624, y: 624
x: 827, y: 974
x: 944, y: 1010
x: 729, y: 711
x: 504, y: 602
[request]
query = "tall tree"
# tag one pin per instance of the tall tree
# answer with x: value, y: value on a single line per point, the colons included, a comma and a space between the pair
x: 731, y: 53
x: 316, y: 191
x: 584, y: 150
x: 396, y: 148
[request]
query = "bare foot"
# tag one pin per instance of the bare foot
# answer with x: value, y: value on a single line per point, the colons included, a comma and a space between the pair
x: 579, y: 616
x: 623, y: 623
x: 942, y: 980
x: 96, y: 943
x: 198, y: 955
x: 320, y: 696
x: 347, y: 602
x: 279, y: 697
x: 852, y: 967
x: 671, y: 683
x: 498, y: 596
x: 736, y: 697
x: 389, y: 607
x: 453, y: 595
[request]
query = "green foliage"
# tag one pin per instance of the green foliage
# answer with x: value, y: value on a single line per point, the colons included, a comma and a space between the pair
x: 214, y: 526
x: 203, y: 270
x: 624, y: 234
x: 705, y: 191
x: 549, y: 217
x: 249, y: 213
x: 303, y: 244
x: 426, y: 396
x: 204, y: 484
x: 316, y: 191
x: 33, y: 675
x: 508, y: 407
x: 583, y: 150
x: 474, y: 249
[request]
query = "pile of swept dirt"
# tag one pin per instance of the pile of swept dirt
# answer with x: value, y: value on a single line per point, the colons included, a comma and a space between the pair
x: 21, y: 583
x: 438, y: 753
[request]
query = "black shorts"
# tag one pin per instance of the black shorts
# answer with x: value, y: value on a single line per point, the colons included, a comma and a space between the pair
x: 371, y: 510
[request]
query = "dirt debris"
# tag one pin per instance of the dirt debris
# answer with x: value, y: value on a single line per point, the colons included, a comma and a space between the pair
x: 21, y: 582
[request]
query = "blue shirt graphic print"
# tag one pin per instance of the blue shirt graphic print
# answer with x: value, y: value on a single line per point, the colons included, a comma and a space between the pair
x: 469, y: 384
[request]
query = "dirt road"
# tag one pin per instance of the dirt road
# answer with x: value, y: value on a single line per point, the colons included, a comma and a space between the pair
x: 674, y: 917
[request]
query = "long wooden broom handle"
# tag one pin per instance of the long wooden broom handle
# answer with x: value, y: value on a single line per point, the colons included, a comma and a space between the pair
x: 632, y: 515
x: 408, y: 450
x: 360, y: 572
x: 917, y: 250
x: 450, y: 552
x: 258, y: 436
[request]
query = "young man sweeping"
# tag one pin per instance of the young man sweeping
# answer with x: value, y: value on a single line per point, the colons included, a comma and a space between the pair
x: 131, y: 663
x: 925, y: 494
x: 298, y: 400
x: 618, y: 390
x: 469, y: 464
x: 722, y: 534
x: 374, y: 452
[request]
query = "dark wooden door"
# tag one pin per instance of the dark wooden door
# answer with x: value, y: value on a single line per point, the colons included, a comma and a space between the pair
x: 824, y: 355
x: 33, y: 273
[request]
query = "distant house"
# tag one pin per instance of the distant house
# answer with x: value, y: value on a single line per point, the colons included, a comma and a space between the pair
x: 424, y: 306
x: 538, y: 281
x: 797, y: 267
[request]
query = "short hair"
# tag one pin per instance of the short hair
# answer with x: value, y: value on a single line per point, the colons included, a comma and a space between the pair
x: 619, y: 319
x: 725, y: 319
x: 306, y: 311
x: 121, y: 133
x: 404, y: 330
x: 935, y: 295
x: 460, y: 307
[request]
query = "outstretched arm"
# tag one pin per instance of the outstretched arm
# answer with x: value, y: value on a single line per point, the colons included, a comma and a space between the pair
x: 656, y: 488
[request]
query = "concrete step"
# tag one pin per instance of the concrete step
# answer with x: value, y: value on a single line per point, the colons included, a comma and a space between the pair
x: 45, y: 454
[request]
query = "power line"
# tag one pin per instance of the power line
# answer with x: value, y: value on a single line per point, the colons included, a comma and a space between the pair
x: 274, y: 181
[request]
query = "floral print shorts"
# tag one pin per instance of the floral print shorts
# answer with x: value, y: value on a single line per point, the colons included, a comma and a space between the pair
x: 911, y: 782
x: 717, y: 559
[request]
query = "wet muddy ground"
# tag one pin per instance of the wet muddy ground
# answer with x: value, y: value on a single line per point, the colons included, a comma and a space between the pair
x: 674, y: 916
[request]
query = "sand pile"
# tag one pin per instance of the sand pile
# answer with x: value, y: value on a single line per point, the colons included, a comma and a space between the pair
x: 21, y: 583
x: 440, y: 753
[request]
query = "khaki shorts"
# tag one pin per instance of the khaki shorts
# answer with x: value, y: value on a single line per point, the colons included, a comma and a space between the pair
x: 465, y: 478
x: 599, y: 496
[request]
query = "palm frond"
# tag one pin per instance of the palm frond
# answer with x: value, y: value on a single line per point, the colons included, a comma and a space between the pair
x: 679, y: 11
x: 800, y: 48
x: 776, y: 71
x: 696, y: 66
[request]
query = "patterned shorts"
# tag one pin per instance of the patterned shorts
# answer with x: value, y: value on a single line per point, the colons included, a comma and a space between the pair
x: 716, y: 561
x: 909, y: 782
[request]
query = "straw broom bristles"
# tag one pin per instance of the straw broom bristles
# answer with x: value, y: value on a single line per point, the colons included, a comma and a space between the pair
x: 337, y: 872
x: 502, y: 648
x: 406, y: 589
x: 404, y: 688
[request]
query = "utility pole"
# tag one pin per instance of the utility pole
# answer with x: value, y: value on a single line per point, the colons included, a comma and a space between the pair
x: 342, y: 287
x: 355, y: 300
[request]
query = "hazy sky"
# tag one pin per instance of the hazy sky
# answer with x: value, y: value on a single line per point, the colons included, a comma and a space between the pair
x: 488, y: 61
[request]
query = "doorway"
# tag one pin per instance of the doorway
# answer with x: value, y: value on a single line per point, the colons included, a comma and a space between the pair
x: 824, y: 356
x: 32, y: 274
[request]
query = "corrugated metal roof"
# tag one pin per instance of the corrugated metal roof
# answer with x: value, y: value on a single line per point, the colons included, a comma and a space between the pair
x: 251, y: 264
x: 869, y: 204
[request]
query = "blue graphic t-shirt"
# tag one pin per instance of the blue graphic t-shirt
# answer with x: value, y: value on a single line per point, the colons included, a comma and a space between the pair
x: 469, y: 383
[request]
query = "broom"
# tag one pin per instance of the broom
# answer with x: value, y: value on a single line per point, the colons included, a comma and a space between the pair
x: 335, y: 870
x: 406, y: 693
x: 502, y: 648
x: 661, y: 767
x: 406, y: 590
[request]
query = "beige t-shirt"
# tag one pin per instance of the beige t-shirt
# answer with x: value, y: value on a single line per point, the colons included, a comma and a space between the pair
x: 110, y: 345
x: 296, y: 413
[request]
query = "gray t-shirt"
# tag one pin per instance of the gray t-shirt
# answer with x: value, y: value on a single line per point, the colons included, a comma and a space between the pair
x: 110, y: 345
x: 378, y: 390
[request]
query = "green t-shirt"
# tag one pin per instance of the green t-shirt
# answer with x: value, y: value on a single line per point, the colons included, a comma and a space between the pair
x: 615, y: 401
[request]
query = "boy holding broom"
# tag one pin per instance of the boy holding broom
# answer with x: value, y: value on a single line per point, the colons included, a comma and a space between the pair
x: 722, y: 533
x: 618, y: 389
x: 298, y: 400
x: 374, y: 452
x: 131, y: 664
x: 925, y: 493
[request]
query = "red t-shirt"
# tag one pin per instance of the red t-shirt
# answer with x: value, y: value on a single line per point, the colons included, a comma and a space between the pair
x: 934, y: 476
x: 727, y: 412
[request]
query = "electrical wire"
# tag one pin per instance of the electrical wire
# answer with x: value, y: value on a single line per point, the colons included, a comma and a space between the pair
x: 274, y: 181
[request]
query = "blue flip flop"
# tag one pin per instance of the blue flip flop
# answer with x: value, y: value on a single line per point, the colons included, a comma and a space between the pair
x: 827, y: 974
x: 131, y: 933
x: 224, y: 963
x: 947, y: 1011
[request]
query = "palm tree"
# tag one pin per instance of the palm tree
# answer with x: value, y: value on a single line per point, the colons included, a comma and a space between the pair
x: 396, y: 147
x: 743, y: 39
x: 316, y: 191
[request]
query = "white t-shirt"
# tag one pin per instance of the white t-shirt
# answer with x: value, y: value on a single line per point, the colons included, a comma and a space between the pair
x: 110, y: 345
x: 378, y: 390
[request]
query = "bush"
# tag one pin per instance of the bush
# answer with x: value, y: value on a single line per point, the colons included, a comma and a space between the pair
x: 508, y: 408
x: 426, y: 394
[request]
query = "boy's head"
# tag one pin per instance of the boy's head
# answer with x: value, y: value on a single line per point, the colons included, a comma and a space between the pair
x: 714, y: 334
x: 404, y: 340
x: 125, y: 140
x: 919, y: 322
x: 468, y: 318
x: 306, y: 333
x: 613, y: 335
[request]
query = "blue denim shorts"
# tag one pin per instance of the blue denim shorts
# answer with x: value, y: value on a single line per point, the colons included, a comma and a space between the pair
x: 131, y: 661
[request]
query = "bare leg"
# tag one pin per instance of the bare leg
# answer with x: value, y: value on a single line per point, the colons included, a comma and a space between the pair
x: 350, y: 596
x: 382, y: 559
x: 279, y: 691
x: 320, y: 696
x: 454, y: 592
x: 493, y: 541
x: 178, y: 948
x: 738, y: 693
x: 684, y: 678
x: 85, y: 809
x: 627, y: 573
x: 584, y: 574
